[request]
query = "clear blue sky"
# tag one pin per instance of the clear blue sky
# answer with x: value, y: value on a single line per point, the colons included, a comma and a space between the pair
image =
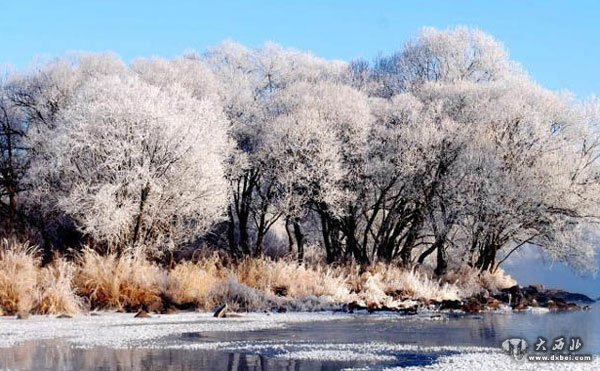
x: 556, y: 41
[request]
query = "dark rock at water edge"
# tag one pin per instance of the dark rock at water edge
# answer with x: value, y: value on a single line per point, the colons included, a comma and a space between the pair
x: 142, y: 314
x: 451, y: 304
x: 493, y: 303
x: 351, y: 307
x: 280, y: 291
x: 517, y: 297
x: 570, y: 296
x: 171, y: 310
x: 221, y: 312
x: 23, y: 314
x: 473, y: 305
x: 224, y: 312
x: 537, y: 296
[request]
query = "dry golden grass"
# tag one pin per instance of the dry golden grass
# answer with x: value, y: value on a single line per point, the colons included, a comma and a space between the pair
x: 240, y: 297
x: 299, y: 281
x: 380, y: 285
x: 121, y: 283
x: 56, y: 291
x: 471, y: 281
x: 391, y: 286
x: 19, y: 265
x: 191, y: 283
x: 131, y: 282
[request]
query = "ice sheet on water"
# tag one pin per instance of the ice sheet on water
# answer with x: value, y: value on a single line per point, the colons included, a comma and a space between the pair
x: 119, y: 330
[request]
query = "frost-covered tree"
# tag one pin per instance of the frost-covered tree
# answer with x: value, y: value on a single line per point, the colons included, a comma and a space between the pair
x: 40, y: 95
x: 13, y: 159
x: 189, y: 71
x: 135, y: 164
x: 445, y: 149
x: 312, y: 150
x: 484, y: 154
x: 512, y: 181
x: 248, y: 81
x: 460, y: 54
x: 49, y: 88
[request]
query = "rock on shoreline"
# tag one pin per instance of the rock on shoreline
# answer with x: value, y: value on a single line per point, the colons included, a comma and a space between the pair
x: 516, y: 298
x: 520, y: 298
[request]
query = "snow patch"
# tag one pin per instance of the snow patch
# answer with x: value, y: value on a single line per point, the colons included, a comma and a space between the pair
x: 122, y: 330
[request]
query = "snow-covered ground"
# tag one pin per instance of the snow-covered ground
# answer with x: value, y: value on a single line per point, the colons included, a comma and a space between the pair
x: 122, y: 330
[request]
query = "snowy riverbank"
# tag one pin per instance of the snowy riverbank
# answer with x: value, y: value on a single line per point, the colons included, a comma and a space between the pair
x: 274, y: 336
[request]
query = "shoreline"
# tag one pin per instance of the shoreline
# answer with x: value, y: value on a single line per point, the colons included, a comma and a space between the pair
x: 122, y: 327
x: 514, y: 299
x: 253, y: 334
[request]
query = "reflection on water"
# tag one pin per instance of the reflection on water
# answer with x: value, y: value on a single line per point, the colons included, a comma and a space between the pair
x: 488, y: 330
x: 59, y: 355
x: 242, y: 353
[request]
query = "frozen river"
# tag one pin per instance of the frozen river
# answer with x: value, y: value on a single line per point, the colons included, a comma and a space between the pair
x: 303, y: 341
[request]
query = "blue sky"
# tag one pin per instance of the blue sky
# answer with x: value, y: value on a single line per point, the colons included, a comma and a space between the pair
x: 556, y: 41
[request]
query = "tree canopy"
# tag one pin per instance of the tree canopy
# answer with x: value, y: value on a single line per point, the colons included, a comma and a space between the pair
x: 443, y: 152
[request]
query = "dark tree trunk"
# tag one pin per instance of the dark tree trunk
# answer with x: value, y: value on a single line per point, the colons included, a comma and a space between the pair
x: 475, y: 242
x: 487, y: 257
x: 243, y: 200
x: 12, y: 204
x: 260, y: 236
x: 411, y: 238
x: 359, y: 254
x: 441, y: 260
x: 8, y: 171
x: 299, y: 241
x: 231, y: 233
x: 140, y: 217
x: 244, y: 235
x: 326, y: 232
x: 288, y: 226
x: 438, y: 245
